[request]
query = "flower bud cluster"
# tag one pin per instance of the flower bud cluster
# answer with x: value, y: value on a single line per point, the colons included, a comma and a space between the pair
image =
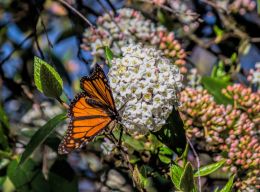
x: 130, y: 26
x: 227, y: 130
x: 242, y: 6
x: 200, y: 110
x: 254, y: 76
x: 159, y: 2
x: 250, y: 181
x: 146, y: 86
x: 185, y: 14
x: 245, y: 99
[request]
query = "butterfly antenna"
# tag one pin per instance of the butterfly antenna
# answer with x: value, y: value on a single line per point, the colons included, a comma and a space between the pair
x: 122, y: 107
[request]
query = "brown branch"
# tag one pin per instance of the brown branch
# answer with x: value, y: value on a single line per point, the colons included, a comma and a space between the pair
x: 77, y: 13
x: 175, y: 12
x: 124, y: 154
x: 227, y: 20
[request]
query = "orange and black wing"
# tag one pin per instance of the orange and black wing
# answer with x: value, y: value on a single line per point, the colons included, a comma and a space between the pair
x: 88, y: 118
x: 97, y: 87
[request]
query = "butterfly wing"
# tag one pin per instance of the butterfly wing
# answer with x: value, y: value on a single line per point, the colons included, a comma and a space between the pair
x: 87, y: 119
x: 97, y: 87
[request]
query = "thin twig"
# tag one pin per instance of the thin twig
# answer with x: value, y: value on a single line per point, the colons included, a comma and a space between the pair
x: 33, y: 99
x: 255, y: 39
x: 213, y: 4
x: 77, y: 12
x: 88, y: 9
x: 66, y: 95
x: 45, y: 161
x: 15, y: 49
x: 175, y: 12
x: 45, y: 31
x: 112, y: 6
x: 37, y: 43
x: 65, y: 105
x: 198, y: 162
x: 44, y: 28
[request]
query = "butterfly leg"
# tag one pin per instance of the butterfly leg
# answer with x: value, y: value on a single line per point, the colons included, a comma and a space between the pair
x: 120, y: 137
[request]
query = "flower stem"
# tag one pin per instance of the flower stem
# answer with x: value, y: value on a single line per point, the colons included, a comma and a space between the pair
x: 65, y: 105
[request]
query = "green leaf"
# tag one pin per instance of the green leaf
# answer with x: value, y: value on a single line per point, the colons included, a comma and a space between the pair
x: 161, y: 17
x: 3, y: 139
x: 3, y: 117
x: 165, y: 151
x: 164, y: 159
x: 187, y: 181
x: 2, y: 180
x: 175, y: 173
x: 164, y: 19
x: 234, y: 58
x: 155, y: 142
x: 28, y: 177
x: 39, y: 183
x: 59, y: 66
x: 214, y: 87
x: 219, y: 32
x: 4, y: 130
x: 137, y: 145
x: 145, y: 170
x: 8, y: 186
x: 228, y: 187
x: 133, y: 159
x: 109, y: 55
x: 62, y: 177
x: 165, y: 154
x: 53, y: 142
x: 173, y: 134
x: 258, y: 7
x: 4, y: 163
x: 19, y: 176
x: 140, y: 177
x: 46, y: 79
x: 40, y: 136
x: 208, y: 169
x: 219, y: 72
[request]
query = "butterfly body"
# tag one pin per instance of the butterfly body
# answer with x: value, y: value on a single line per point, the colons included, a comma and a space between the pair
x: 113, y: 114
x: 90, y: 113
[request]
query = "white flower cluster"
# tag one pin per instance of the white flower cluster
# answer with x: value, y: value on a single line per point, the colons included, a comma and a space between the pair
x: 194, y: 79
x: 254, y: 76
x: 131, y: 27
x: 128, y: 27
x: 146, y: 86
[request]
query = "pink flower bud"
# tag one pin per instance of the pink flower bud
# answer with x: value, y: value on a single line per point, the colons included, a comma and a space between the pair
x: 233, y: 169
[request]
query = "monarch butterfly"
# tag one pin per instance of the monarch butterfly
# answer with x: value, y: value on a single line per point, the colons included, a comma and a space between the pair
x: 90, y: 112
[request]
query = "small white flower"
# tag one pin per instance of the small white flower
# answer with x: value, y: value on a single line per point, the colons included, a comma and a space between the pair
x: 107, y: 146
